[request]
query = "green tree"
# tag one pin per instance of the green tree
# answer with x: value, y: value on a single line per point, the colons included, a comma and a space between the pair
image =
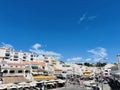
x: 79, y: 63
x: 87, y: 64
x: 99, y: 64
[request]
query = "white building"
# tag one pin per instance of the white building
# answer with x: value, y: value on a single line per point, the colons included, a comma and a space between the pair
x: 20, y: 64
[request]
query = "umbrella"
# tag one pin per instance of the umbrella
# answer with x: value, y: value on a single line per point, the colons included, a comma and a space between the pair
x: 52, y: 80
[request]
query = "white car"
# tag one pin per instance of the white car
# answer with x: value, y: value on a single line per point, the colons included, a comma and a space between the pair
x: 90, y: 83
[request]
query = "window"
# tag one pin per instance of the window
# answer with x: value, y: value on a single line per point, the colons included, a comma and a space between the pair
x: 47, y: 61
x: 27, y: 71
x: 7, y: 50
x: 15, y: 56
x: 5, y: 71
x: 31, y: 59
x: 64, y: 72
x: 106, y: 73
x: 43, y: 67
x: 106, y: 70
x: 7, y: 54
x: 16, y: 52
x: 6, y: 57
x: 34, y: 67
x: 31, y: 55
x: 46, y: 57
x: 15, y: 59
x: 24, y: 54
x: 20, y: 71
x: 12, y: 71
x: 24, y: 57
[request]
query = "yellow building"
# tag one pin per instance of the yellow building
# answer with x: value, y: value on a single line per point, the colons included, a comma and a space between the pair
x: 87, y: 73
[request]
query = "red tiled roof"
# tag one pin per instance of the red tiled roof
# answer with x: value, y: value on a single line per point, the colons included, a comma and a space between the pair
x: 18, y: 64
x: 35, y: 63
x: 57, y: 69
x: 27, y: 63
x: 1, y: 57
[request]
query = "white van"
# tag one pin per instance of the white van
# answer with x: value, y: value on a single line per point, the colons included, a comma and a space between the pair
x: 106, y: 72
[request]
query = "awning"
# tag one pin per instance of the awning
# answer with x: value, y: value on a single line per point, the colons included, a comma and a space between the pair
x: 44, y: 77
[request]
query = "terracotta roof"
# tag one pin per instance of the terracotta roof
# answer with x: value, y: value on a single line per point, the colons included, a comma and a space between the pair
x: 34, y: 63
x: 18, y: 64
x: 57, y: 69
x: 27, y: 63
x: 42, y: 63
x: 1, y: 57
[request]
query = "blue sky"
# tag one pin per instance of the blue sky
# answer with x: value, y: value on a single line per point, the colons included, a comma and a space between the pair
x: 75, y: 30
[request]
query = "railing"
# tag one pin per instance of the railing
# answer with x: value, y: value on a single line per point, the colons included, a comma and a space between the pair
x: 13, y: 74
x: 115, y: 75
x: 115, y: 71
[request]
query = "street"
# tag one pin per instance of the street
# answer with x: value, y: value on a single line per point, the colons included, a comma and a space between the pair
x: 77, y: 87
x: 73, y: 87
x: 77, y: 84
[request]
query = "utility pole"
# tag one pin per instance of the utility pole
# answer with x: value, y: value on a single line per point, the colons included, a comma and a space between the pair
x: 1, y: 76
x: 118, y: 56
x: 101, y: 76
x: 101, y: 73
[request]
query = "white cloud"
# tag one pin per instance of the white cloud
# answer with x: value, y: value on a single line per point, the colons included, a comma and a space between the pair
x: 36, y: 46
x: 98, y: 53
x: 88, y: 59
x: 6, y: 45
x: 92, y: 17
x: 84, y: 17
x: 75, y: 59
x: 51, y: 53
x: 36, y: 49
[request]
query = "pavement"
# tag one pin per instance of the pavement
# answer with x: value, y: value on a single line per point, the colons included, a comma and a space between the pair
x: 78, y: 85
x: 73, y: 87
x: 106, y: 87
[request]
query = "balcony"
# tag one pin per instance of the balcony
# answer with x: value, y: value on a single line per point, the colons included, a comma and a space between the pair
x: 47, y: 61
x: 24, y: 54
x: 15, y: 56
x: 15, y: 59
x: 7, y: 54
x: 24, y: 57
x: 7, y: 57
x: 51, y: 65
x: 53, y: 62
x: 31, y: 59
